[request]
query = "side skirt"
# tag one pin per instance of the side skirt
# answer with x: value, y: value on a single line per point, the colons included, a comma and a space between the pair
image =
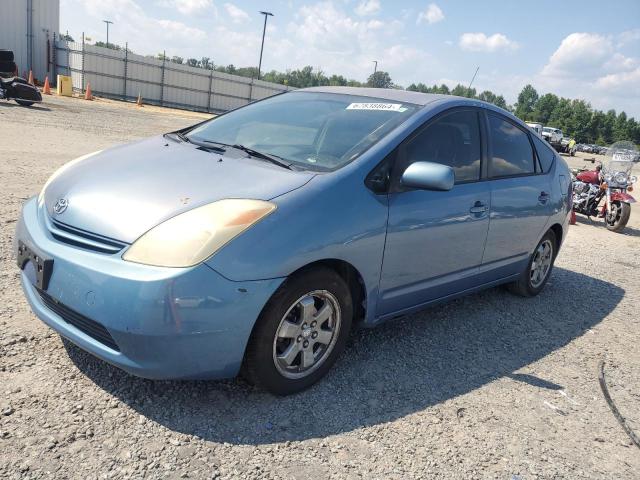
x: 437, y: 301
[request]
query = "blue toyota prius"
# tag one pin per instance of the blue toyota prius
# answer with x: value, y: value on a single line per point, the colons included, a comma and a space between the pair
x: 254, y: 241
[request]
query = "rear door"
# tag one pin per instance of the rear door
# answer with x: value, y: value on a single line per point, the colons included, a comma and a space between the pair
x: 520, y: 197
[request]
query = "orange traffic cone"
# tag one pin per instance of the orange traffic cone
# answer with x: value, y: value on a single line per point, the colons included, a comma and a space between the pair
x: 572, y: 219
x: 87, y: 93
x: 47, y: 88
x: 31, y: 77
x: 139, y: 101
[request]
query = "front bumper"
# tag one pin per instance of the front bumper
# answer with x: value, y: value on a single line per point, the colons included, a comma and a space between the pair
x: 167, y: 323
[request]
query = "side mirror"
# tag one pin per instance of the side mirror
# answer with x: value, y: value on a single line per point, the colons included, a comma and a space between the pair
x: 428, y: 176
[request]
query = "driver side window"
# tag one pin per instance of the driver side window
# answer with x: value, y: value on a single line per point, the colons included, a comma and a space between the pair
x: 452, y: 140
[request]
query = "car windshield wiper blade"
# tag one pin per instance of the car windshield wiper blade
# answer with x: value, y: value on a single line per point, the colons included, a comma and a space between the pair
x: 180, y: 135
x: 265, y: 156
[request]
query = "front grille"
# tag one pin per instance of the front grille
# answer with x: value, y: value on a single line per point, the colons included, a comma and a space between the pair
x: 90, y: 327
x: 80, y: 238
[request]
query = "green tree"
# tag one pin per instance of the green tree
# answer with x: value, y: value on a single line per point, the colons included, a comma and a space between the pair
x: 544, y: 106
x: 526, y: 103
x: 380, y: 80
x: 176, y: 59
x: 609, y: 124
x: 462, y: 91
x: 110, y: 45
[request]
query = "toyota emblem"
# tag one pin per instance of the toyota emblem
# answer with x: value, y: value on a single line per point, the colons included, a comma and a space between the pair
x: 60, y: 206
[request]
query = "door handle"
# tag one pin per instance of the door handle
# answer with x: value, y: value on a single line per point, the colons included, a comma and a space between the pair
x: 478, y: 207
x: 543, y: 198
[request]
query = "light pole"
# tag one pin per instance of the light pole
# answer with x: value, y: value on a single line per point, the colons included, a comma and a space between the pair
x: 264, y: 30
x: 375, y: 66
x: 108, y: 22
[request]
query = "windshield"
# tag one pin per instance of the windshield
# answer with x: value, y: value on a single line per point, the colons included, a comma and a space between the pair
x: 316, y: 131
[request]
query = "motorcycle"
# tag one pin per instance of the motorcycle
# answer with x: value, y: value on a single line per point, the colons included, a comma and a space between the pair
x: 13, y: 87
x: 608, y: 185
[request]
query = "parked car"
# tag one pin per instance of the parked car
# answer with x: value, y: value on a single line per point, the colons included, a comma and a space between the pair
x: 536, y: 127
x: 254, y: 241
x: 553, y: 136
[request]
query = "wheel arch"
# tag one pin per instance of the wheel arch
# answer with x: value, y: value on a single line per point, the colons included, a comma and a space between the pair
x: 350, y: 275
x: 556, y: 228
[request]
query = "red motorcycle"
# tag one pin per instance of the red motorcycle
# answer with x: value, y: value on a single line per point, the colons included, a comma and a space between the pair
x: 610, y: 183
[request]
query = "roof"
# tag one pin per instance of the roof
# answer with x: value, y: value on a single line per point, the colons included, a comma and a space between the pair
x: 395, y: 95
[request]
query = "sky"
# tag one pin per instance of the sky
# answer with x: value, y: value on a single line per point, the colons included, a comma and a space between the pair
x: 577, y: 49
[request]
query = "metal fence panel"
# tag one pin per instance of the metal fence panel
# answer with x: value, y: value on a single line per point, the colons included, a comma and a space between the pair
x: 120, y: 74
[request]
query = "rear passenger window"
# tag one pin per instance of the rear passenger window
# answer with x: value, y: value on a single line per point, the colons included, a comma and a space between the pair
x: 452, y: 140
x: 511, y: 150
x: 545, y: 154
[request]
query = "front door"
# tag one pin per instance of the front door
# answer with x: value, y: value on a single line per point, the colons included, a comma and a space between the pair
x: 435, y: 240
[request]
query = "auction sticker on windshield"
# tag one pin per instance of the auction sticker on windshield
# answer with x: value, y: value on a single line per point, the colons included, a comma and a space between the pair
x: 394, y: 107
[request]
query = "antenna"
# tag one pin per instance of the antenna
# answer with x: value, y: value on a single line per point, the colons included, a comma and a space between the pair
x: 473, y: 78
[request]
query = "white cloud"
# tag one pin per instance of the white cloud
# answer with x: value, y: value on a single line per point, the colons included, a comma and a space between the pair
x: 368, y: 7
x: 619, y: 81
x: 236, y: 13
x: 433, y: 14
x: 584, y: 52
x: 629, y: 36
x: 591, y: 66
x: 145, y: 34
x: 479, y: 42
x: 188, y: 7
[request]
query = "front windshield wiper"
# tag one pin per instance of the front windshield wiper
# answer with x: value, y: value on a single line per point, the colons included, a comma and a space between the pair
x: 255, y: 153
x: 180, y: 135
x: 265, y: 156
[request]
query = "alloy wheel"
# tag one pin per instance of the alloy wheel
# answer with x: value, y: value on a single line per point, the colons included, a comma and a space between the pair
x: 307, y: 334
x: 541, y: 263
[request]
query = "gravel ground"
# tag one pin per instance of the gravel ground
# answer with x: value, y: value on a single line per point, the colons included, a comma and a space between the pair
x: 489, y: 386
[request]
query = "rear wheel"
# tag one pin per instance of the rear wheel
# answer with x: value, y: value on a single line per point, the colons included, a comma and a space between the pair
x: 300, y: 333
x: 538, y: 270
x: 618, y: 216
x: 24, y: 103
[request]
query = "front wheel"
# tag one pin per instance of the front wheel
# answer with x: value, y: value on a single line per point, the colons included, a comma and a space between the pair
x: 538, y: 270
x: 616, y: 219
x: 24, y: 103
x: 300, y: 333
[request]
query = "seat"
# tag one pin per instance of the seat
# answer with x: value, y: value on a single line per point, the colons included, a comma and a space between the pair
x: 6, y: 55
x: 7, y: 68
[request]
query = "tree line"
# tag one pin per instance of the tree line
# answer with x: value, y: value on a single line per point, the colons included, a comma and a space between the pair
x: 576, y: 118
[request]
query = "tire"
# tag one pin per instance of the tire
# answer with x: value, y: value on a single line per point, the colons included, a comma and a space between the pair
x: 526, y: 286
x: 24, y: 103
x: 623, y: 211
x: 280, y: 330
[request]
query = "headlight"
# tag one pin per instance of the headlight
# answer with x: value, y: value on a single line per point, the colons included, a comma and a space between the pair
x: 191, y: 237
x: 62, y: 169
x: 621, y: 178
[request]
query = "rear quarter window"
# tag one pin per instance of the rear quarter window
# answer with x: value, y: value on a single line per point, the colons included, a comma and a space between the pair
x: 545, y: 154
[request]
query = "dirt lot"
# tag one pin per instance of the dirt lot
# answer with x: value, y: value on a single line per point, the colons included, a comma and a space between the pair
x: 489, y: 386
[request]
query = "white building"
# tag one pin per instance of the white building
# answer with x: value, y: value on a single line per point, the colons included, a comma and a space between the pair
x: 27, y: 28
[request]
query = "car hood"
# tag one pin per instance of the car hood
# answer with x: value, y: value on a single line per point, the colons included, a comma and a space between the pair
x: 123, y: 192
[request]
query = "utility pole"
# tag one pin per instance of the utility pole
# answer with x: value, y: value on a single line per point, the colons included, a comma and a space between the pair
x: 108, y: 22
x: 375, y: 66
x: 264, y: 30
